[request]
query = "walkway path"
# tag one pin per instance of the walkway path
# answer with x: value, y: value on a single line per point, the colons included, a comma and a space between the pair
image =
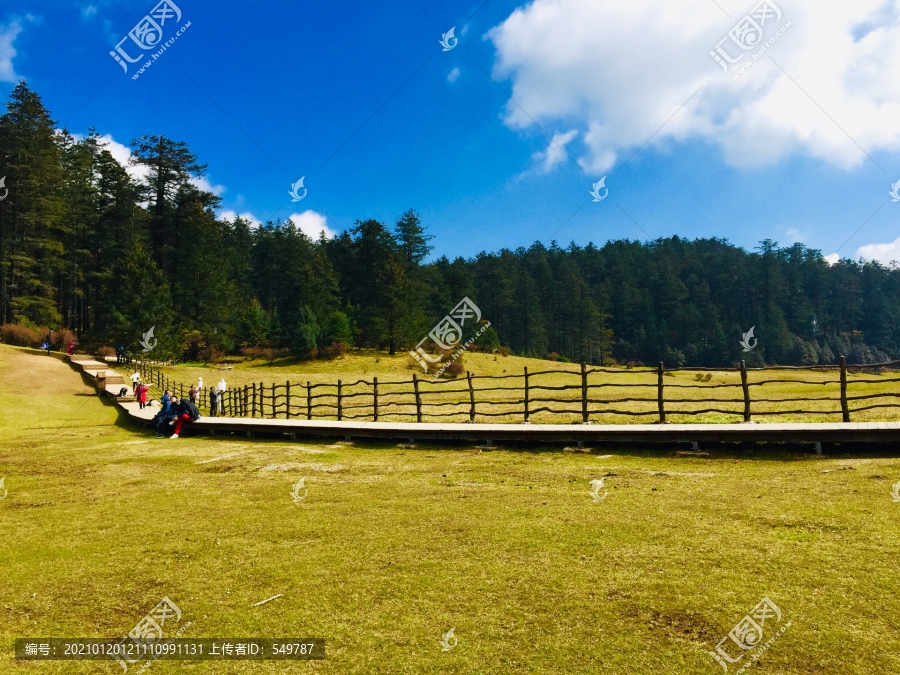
x: 558, y: 433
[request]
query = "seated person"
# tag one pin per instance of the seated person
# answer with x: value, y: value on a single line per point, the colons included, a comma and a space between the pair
x: 164, y: 417
x: 186, y: 412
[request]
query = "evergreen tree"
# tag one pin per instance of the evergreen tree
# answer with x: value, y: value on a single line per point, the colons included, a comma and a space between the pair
x: 304, y: 337
x: 137, y: 299
x: 337, y: 329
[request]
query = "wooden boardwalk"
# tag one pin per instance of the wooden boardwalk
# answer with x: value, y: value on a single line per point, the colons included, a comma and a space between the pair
x: 882, y: 432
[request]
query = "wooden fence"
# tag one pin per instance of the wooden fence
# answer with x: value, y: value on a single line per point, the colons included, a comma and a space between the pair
x: 589, y: 395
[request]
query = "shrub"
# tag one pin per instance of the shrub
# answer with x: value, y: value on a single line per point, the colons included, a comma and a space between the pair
x: 17, y: 334
x: 563, y: 359
x: 455, y: 369
x: 212, y: 355
x: 254, y: 353
x: 106, y: 351
x: 62, y: 337
x: 333, y: 351
x: 552, y: 356
x: 504, y: 351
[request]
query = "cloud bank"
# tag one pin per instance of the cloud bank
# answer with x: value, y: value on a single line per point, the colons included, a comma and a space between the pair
x: 617, y: 71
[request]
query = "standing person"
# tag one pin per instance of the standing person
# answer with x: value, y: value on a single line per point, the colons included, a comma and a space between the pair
x: 142, y: 390
x: 199, y: 384
x: 70, y: 349
x: 135, y: 378
x: 221, y: 387
x: 192, y: 393
x: 213, y: 401
x: 187, y: 412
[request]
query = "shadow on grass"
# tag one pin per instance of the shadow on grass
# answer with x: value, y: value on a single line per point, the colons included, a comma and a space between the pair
x: 709, y: 451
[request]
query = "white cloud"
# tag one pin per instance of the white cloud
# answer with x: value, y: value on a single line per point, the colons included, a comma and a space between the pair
x: 619, y: 70
x: 311, y: 224
x: 832, y: 259
x: 453, y: 76
x: 229, y: 215
x: 88, y: 11
x: 202, y: 183
x: 122, y: 154
x: 555, y: 153
x: 883, y: 253
x: 8, y: 35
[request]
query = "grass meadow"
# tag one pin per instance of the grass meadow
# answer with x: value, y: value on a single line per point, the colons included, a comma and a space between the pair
x: 393, y: 547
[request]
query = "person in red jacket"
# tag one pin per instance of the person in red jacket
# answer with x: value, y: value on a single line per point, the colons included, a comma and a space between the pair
x: 141, y: 392
x: 70, y: 349
x: 187, y: 412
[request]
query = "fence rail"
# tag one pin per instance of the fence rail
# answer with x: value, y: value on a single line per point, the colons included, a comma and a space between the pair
x: 588, y: 396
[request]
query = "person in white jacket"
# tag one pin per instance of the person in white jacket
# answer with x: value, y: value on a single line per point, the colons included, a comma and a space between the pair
x: 221, y: 387
x: 135, y: 377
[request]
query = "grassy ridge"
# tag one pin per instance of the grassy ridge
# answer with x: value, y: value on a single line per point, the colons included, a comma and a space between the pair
x: 394, y: 547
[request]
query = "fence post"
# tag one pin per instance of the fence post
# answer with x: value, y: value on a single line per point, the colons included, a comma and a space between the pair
x: 471, y: 398
x: 253, y: 403
x: 262, y: 400
x: 584, y: 392
x: 287, y: 400
x: 308, y: 401
x: 418, y: 398
x: 340, y: 402
x: 375, y: 398
x: 659, y: 387
x: 246, y: 402
x: 526, y: 394
x: 746, y: 389
x: 845, y: 410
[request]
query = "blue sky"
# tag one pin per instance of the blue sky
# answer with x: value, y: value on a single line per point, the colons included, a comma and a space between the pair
x: 361, y: 100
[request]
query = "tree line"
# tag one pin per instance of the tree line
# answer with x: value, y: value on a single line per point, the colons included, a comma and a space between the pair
x: 87, y: 247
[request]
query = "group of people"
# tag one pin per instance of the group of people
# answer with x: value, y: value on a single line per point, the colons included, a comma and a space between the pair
x: 177, y: 411
x: 174, y: 412
x: 216, y: 396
